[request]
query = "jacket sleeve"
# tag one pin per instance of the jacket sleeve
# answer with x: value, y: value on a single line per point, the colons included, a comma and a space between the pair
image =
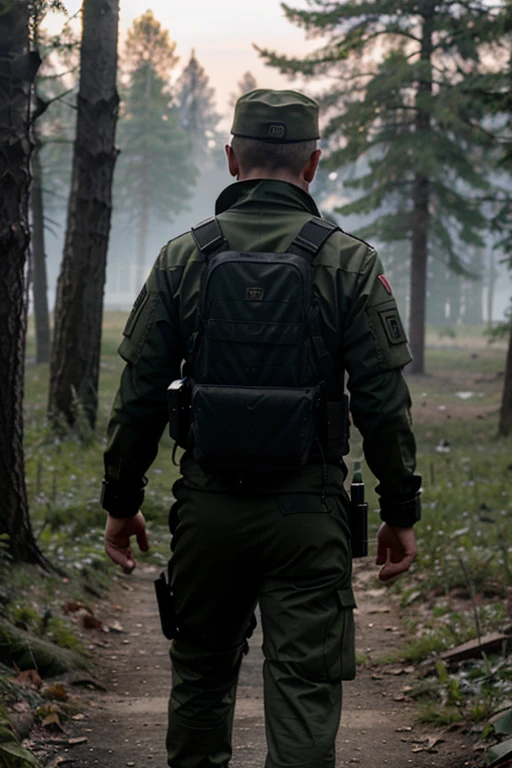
x: 375, y: 352
x: 152, y: 350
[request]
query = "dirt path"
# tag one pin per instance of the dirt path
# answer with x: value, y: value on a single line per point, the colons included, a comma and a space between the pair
x: 125, y: 726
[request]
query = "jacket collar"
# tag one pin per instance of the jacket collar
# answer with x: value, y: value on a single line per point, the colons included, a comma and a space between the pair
x: 265, y: 193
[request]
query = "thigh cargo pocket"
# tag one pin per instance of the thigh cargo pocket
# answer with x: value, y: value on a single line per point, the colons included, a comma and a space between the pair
x: 339, y: 641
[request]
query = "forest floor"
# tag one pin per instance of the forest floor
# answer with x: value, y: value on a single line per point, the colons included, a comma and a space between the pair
x: 125, y: 725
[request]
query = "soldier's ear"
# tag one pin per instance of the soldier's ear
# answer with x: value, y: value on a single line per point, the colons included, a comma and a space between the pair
x: 309, y: 170
x: 233, y: 166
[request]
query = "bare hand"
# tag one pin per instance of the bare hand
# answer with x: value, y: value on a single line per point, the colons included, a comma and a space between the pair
x: 117, y: 539
x: 396, y: 550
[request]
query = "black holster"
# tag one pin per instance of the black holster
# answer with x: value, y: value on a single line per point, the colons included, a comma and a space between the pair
x: 166, y: 606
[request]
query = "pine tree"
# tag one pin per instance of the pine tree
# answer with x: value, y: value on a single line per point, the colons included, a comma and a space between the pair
x: 18, y: 66
x: 195, y: 99
x: 75, y: 356
x: 246, y: 83
x: 50, y: 94
x: 155, y: 174
x: 402, y: 115
x: 500, y: 103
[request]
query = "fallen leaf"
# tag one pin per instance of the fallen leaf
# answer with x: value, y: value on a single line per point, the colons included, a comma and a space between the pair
x: 432, y: 742
x: 30, y: 678
x: 89, y: 621
x: 55, y: 692
x: 78, y: 740
x: 52, y: 722
x: 60, y: 760
x: 398, y: 671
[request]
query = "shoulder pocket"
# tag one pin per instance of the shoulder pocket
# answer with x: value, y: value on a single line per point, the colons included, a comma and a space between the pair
x: 138, y: 325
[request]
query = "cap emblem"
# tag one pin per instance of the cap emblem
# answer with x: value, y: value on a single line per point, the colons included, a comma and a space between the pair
x: 276, y: 131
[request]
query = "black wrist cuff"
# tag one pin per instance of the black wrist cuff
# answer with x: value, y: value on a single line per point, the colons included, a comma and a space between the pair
x: 119, y: 501
x: 403, y: 513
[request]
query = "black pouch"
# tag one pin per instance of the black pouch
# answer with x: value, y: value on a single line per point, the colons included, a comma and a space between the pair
x: 166, y: 606
x: 254, y: 429
x: 179, y: 395
x: 337, y: 428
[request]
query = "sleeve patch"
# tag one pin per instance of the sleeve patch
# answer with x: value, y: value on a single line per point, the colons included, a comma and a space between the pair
x: 387, y: 285
x: 392, y: 324
x: 136, y: 310
x: 138, y: 326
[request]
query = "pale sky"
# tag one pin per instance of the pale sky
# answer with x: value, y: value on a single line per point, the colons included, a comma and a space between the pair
x: 222, y: 33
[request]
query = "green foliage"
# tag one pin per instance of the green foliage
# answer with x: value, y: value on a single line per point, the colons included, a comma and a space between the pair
x: 61, y: 634
x: 431, y: 713
x: 503, y: 725
x: 12, y: 754
x: 499, y: 752
x: 404, y: 105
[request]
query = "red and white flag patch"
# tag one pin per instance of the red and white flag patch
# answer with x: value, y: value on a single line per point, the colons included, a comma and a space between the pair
x: 387, y: 285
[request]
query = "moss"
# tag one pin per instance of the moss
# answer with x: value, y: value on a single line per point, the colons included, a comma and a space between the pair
x: 63, y: 636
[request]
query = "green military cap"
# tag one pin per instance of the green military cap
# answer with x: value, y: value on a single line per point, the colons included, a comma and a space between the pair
x: 278, y: 116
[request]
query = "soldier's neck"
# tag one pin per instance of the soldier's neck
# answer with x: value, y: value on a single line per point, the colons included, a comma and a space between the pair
x: 277, y: 176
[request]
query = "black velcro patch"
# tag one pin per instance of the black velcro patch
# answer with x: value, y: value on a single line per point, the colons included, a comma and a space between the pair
x: 392, y: 324
x: 139, y: 301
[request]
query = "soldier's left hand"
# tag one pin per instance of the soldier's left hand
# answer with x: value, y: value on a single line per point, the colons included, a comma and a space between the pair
x: 117, y: 539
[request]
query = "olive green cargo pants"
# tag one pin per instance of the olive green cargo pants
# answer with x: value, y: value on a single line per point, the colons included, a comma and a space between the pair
x: 292, y: 556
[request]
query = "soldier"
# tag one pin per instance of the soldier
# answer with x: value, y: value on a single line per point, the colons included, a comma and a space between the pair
x: 261, y: 514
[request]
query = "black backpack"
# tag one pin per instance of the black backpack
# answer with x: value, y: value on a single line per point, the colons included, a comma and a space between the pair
x: 261, y: 382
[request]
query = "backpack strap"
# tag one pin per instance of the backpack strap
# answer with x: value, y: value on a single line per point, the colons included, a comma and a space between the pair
x: 312, y: 237
x: 209, y: 238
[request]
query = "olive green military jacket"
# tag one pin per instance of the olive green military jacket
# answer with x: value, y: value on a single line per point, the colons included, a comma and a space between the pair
x: 361, y: 326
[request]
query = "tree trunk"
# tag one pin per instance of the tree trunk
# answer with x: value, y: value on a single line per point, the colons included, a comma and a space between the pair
x: 505, y: 425
x: 421, y: 199
x: 454, y: 285
x: 17, y: 71
x: 491, y: 286
x: 140, y: 273
x: 437, y: 298
x: 39, y: 281
x: 419, y: 256
x: 473, y: 292
x: 74, y: 368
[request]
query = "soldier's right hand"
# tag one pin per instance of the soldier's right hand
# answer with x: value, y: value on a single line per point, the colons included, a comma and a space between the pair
x: 396, y: 550
x: 117, y: 539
